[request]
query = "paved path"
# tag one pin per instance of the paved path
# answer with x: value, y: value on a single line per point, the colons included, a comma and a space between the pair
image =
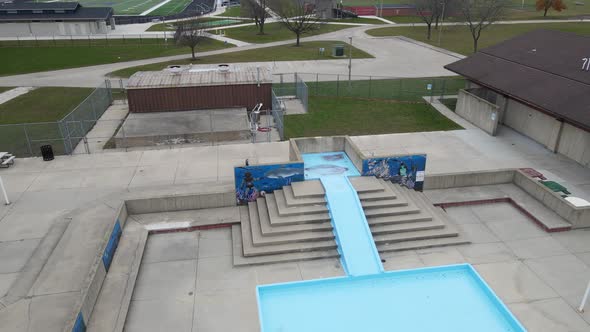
x: 13, y: 93
x: 393, y: 58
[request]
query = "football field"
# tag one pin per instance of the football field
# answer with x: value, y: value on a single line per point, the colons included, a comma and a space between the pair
x: 139, y: 7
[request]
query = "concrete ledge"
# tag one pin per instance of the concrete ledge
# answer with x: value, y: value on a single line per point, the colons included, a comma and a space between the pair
x: 468, y: 179
x: 180, y: 202
x: 579, y: 217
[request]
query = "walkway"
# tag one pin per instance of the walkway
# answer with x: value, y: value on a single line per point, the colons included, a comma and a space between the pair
x: 13, y: 93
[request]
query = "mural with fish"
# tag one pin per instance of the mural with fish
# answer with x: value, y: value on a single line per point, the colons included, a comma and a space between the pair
x: 255, y: 181
x: 405, y: 170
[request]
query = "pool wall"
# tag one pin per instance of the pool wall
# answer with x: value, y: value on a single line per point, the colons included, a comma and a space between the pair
x: 494, y: 302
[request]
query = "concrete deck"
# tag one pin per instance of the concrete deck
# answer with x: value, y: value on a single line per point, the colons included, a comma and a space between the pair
x: 542, y: 285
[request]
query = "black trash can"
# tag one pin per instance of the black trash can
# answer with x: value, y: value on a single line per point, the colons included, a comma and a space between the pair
x: 47, y: 152
x: 338, y: 50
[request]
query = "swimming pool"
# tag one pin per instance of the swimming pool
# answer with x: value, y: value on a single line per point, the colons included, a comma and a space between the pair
x: 450, y: 298
x: 447, y: 298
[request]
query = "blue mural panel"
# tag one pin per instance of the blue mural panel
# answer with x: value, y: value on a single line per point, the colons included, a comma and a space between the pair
x: 109, y: 251
x: 255, y: 181
x: 405, y: 170
x: 79, y: 325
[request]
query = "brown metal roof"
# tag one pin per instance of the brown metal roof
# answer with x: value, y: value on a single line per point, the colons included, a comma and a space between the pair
x: 542, y: 68
x: 199, y: 77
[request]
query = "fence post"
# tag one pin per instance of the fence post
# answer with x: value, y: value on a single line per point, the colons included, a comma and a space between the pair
x: 28, y: 140
x: 442, y: 90
x: 317, y: 79
x: 370, y: 82
x: 59, y: 125
x: 18, y: 41
x: 338, y: 85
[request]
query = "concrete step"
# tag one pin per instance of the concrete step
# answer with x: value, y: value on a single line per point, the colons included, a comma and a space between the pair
x: 366, y: 184
x: 249, y: 249
x: 386, y: 193
x: 240, y: 260
x: 415, y: 235
x: 422, y: 244
x: 256, y: 213
x: 406, y: 227
x: 291, y: 200
x: 285, y: 210
x: 384, y: 203
x: 422, y: 200
x: 307, y: 189
x: 390, y: 211
x: 268, y: 229
x: 278, y: 220
x: 400, y: 218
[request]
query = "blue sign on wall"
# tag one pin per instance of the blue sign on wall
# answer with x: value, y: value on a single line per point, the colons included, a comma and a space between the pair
x: 79, y: 325
x: 109, y: 251
x: 405, y: 170
x: 254, y: 181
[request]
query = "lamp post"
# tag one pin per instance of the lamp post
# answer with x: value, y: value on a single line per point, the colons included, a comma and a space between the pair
x: 350, y: 63
x: 441, y: 22
x: 6, y: 201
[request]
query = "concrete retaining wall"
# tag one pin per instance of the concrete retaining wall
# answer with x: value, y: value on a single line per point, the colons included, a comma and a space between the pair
x: 575, y: 143
x: 180, y: 202
x: 532, y: 123
x: 26, y: 29
x: 468, y: 179
x: 478, y: 111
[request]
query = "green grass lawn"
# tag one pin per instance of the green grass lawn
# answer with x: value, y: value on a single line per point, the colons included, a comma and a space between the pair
x: 234, y: 11
x: 275, y: 32
x: 49, y: 57
x: 458, y: 38
x: 352, y: 116
x: 355, y: 20
x: 42, y: 105
x: 5, y: 88
x: 208, y: 22
x: 307, y: 51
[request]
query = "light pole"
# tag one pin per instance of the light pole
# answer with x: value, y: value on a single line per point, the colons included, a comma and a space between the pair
x: 441, y: 22
x: 6, y: 201
x: 350, y: 62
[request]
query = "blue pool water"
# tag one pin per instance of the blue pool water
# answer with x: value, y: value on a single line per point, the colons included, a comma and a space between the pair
x: 441, y: 299
x: 318, y: 165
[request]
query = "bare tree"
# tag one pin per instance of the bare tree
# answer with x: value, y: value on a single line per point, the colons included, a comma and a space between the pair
x: 190, y: 34
x: 258, y: 10
x: 428, y: 11
x: 298, y: 17
x: 480, y: 14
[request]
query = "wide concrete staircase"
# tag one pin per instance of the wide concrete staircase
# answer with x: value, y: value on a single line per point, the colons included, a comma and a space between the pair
x: 294, y: 223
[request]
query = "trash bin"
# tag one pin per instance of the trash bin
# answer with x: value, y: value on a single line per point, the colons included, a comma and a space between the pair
x: 47, y: 152
x: 338, y: 50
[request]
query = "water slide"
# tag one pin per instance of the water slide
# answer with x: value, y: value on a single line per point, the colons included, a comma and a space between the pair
x: 359, y: 255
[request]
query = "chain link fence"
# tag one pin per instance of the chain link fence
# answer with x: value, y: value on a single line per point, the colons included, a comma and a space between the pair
x: 26, y: 139
x: 370, y: 87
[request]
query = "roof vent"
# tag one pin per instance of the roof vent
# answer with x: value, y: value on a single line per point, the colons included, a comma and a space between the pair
x: 223, y: 68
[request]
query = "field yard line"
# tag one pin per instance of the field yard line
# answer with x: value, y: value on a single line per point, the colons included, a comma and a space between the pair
x: 155, y: 7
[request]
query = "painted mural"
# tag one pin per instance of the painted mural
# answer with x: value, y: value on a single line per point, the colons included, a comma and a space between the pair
x: 408, y: 171
x: 255, y: 181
